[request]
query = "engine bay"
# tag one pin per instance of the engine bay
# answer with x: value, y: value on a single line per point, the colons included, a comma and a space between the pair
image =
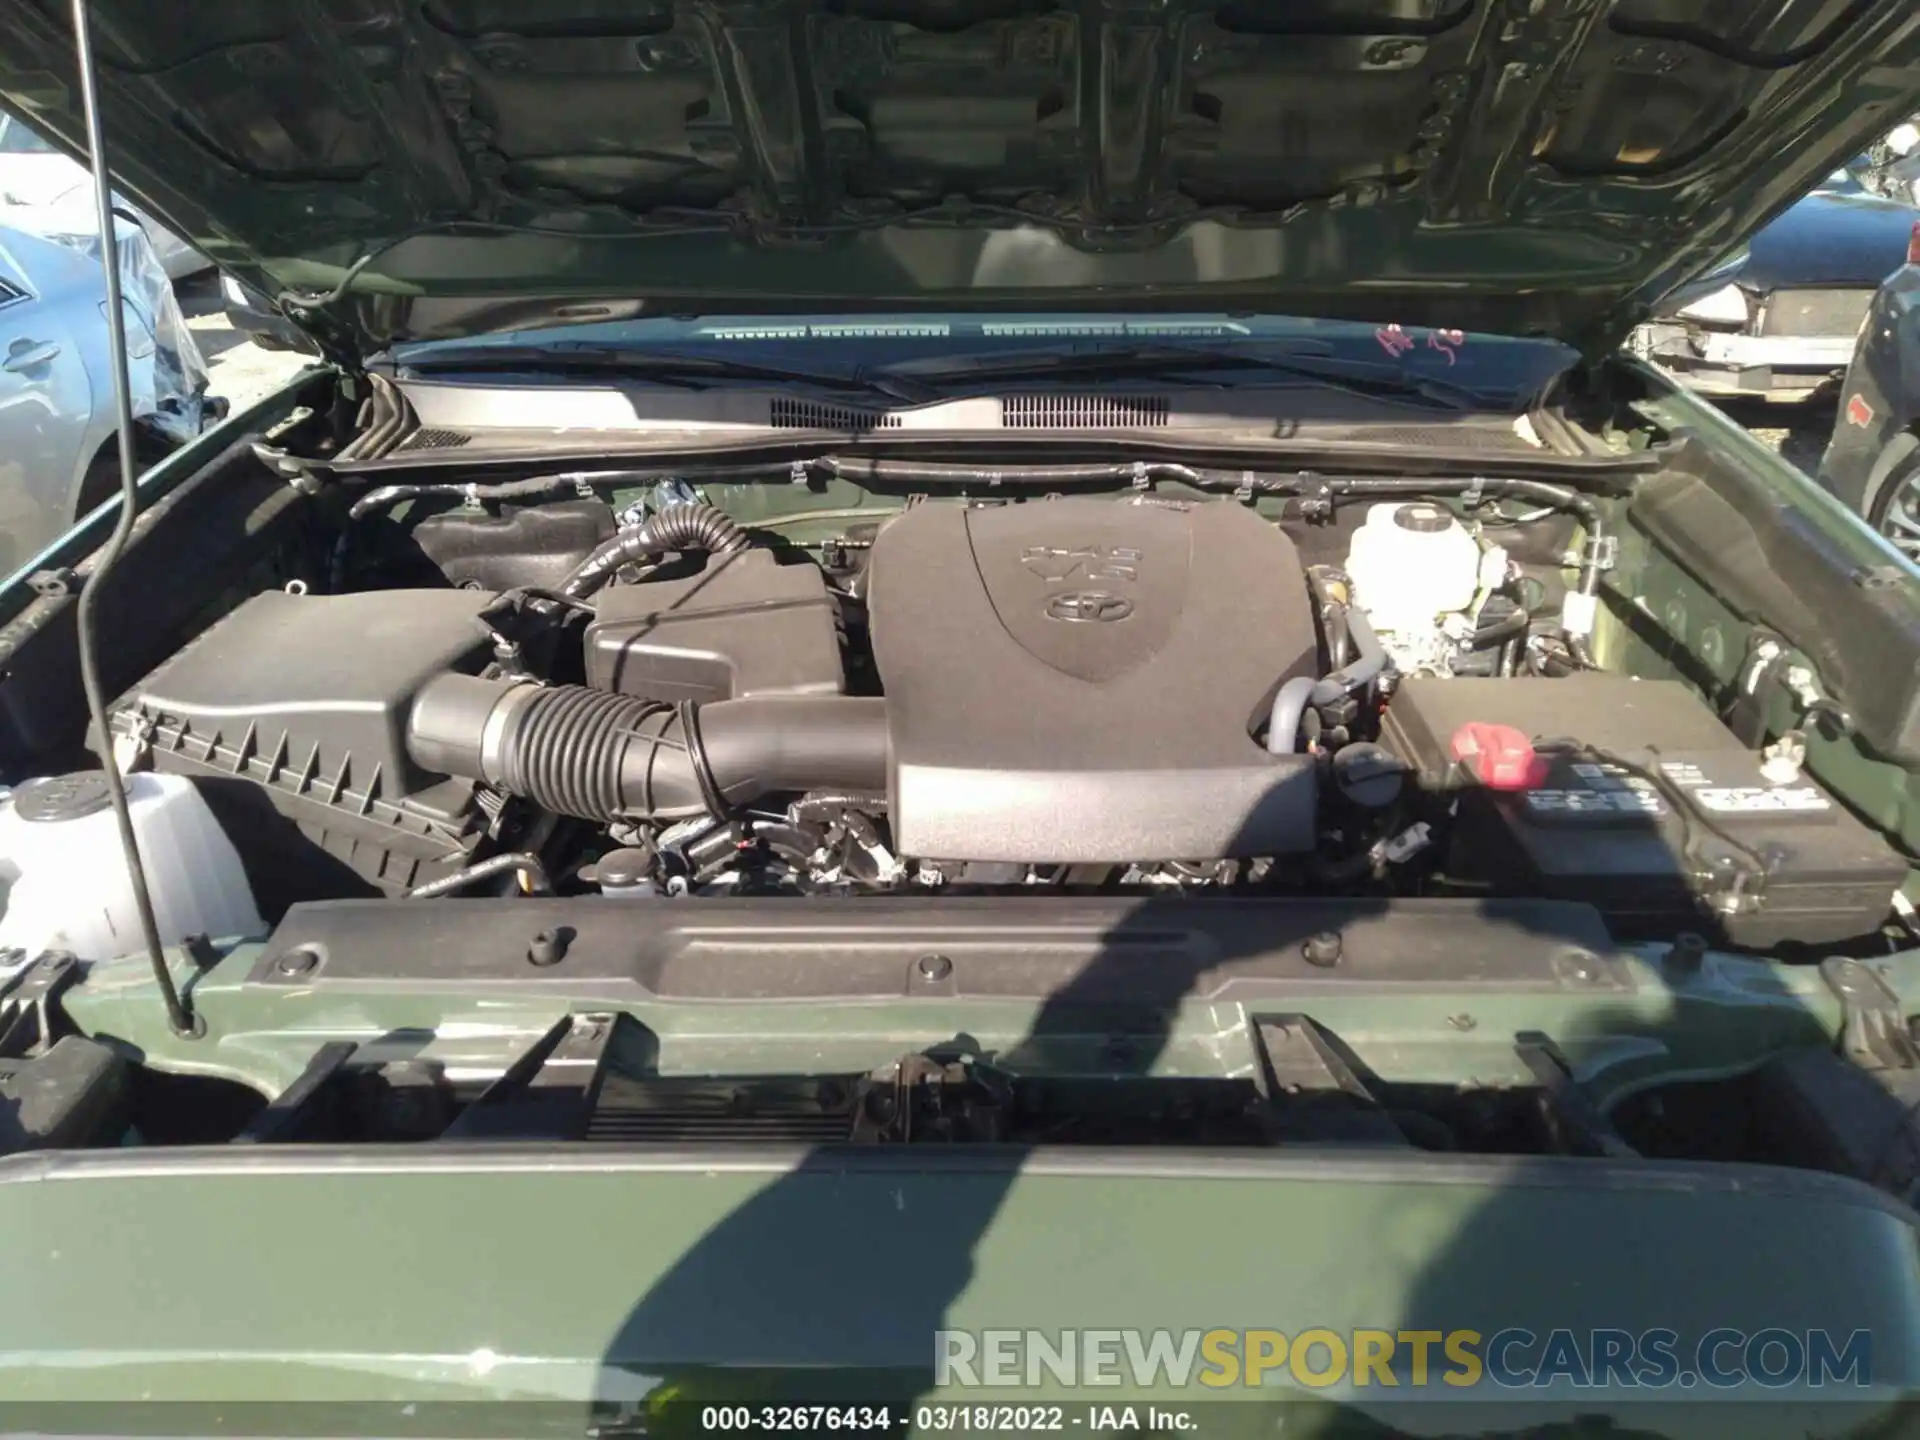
x: 867, y: 799
x: 608, y: 685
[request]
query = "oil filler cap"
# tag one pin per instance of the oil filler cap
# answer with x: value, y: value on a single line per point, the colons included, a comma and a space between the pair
x: 1500, y: 757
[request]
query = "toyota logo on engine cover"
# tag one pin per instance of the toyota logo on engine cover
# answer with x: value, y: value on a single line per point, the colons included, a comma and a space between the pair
x: 1088, y: 606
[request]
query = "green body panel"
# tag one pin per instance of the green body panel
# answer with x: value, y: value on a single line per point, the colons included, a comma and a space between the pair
x: 404, y: 171
x: 1629, y: 1023
x: 1679, y: 411
x: 1683, y: 629
x: 314, y: 1275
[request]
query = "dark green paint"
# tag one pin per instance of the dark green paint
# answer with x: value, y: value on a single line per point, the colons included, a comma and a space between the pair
x: 415, y: 171
x: 312, y: 1275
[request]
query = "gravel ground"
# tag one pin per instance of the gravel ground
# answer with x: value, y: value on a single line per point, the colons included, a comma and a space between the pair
x: 242, y: 372
x: 1798, y: 432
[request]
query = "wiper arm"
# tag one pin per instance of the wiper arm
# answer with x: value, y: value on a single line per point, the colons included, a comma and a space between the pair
x: 663, y: 367
x: 1370, y: 379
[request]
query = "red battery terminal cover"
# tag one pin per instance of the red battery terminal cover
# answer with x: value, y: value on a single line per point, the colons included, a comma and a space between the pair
x: 1500, y: 757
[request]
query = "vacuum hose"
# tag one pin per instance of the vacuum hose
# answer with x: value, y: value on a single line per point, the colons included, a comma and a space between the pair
x: 677, y: 528
x: 1369, y: 661
x: 597, y: 756
x: 1333, y: 591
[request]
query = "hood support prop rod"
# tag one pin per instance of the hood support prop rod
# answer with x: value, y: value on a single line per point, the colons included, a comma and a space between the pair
x: 87, y: 621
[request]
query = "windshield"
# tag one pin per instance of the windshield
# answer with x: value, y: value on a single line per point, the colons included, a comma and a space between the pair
x: 946, y: 344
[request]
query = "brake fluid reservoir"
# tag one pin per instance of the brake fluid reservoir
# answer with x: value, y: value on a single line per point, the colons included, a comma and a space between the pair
x: 63, y: 876
x: 1412, y: 563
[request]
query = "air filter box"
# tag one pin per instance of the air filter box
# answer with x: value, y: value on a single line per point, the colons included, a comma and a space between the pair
x: 1644, y: 805
x: 291, y: 713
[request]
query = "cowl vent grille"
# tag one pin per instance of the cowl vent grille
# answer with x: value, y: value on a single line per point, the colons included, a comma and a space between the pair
x: 785, y: 413
x: 1082, y: 412
x: 433, y: 439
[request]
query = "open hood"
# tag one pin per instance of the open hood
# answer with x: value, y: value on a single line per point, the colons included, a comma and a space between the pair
x: 412, y: 169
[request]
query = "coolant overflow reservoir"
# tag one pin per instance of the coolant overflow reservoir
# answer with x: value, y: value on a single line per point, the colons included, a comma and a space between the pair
x: 1411, y: 564
x: 63, y: 877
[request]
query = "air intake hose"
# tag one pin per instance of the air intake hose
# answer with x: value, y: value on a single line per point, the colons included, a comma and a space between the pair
x: 598, y: 756
x: 677, y: 528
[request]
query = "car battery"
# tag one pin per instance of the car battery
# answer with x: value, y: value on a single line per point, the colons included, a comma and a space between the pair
x: 1631, y: 795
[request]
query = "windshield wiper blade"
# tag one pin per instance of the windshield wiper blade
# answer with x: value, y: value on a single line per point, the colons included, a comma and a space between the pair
x: 1370, y: 379
x: 662, y: 367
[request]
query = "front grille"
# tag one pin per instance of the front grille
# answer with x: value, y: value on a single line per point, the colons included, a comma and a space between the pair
x: 785, y: 413
x: 431, y: 439
x: 1797, y: 313
x: 1082, y: 412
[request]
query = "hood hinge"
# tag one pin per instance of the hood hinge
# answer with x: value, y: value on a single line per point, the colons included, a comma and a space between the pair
x: 1874, y: 1033
x: 337, y: 343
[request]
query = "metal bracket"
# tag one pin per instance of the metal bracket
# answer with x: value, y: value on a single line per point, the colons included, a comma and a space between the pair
x: 28, y: 1005
x: 930, y: 1097
x: 550, y: 1091
x: 296, y: 417
x: 1746, y: 716
x: 1816, y: 707
x: 291, y: 1113
x: 670, y: 492
x: 1316, y: 498
x: 1873, y: 1032
x: 1765, y: 653
x: 290, y: 468
x: 1575, y: 1121
x: 55, y: 584
x: 1311, y: 1092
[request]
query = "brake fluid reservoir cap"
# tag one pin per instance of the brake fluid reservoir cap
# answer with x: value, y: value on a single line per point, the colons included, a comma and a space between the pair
x: 1423, y: 519
x: 1500, y: 757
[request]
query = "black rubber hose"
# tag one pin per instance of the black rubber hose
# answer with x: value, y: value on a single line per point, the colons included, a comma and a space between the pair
x: 678, y: 528
x: 387, y: 496
x: 1289, y: 709
x: 1333, y: 620
x: 1369, y: 661
x: 520, y: 863
x: 602, y: 757
x: 1498, y: 632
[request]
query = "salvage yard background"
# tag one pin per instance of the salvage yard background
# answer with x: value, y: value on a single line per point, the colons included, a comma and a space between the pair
x: 242, y: 372
x: 1798, y: 432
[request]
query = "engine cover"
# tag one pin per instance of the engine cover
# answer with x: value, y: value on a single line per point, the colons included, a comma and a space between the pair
x: 1079, y: 680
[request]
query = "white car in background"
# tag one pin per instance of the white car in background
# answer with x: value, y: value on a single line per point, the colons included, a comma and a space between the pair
x: 1903, y: 165
x: 35, y: 176
x: 59, y: 453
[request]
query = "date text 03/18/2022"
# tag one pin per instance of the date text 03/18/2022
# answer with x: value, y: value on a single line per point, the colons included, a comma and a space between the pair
x: 936, y: 1419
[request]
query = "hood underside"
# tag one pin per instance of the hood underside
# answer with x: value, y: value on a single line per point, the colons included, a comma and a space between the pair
x: 427, y: 168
